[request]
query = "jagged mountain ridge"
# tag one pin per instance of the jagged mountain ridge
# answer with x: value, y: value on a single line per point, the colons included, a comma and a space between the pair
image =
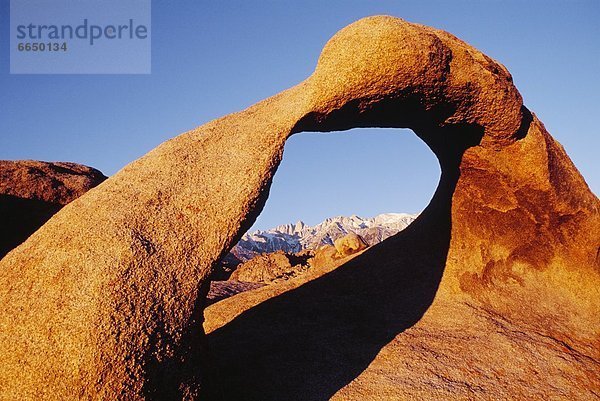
x: 297, y: 237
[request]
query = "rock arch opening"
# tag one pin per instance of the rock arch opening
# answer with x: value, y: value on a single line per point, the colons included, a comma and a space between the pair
x: 369, y: 182
x: 339, y: 316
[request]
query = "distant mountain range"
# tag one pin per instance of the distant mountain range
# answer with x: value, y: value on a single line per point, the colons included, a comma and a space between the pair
x: 293, y: 238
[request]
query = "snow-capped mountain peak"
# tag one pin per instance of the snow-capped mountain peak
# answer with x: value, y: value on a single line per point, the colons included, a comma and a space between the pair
x: 296, y: 237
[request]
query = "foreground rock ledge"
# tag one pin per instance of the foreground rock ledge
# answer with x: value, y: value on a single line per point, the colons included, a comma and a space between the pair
x: 105, y: 300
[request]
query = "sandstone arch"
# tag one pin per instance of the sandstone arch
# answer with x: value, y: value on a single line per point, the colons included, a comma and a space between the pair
x: 109, y: 306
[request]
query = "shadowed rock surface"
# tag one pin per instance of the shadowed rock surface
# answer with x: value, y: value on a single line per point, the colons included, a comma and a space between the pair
x: 105, y: 300
x: 32, y: 191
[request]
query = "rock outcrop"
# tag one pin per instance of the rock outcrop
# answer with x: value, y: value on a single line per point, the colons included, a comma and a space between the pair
x: 270, y: 267
x: 349, y: 244
x: 32, y: 191
x: 325, y: 256
x: 105, y: 300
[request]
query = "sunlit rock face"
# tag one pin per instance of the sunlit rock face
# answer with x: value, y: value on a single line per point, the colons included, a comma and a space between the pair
x: 491, y: 293
x: 271, y: 267
x: 350, y: 244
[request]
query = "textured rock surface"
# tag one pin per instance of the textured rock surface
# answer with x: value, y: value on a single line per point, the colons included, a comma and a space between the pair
x: 220, y: 290
x: 32, y: 191
x: 104, y: 301
x: 349, y: 244
x: 325, y: 256
x: 270, y: 267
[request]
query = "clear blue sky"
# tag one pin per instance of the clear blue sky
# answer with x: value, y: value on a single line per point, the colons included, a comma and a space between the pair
x: 214, y: 58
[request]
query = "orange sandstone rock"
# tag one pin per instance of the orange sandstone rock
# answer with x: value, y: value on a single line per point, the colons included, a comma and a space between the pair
x: 271, y: 267
x: 349, y: 244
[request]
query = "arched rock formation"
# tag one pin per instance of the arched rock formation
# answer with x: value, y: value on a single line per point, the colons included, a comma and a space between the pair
x: 105, y: 300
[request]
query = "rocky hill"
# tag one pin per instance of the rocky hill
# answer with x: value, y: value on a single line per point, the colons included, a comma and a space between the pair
x: 269, y: 267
